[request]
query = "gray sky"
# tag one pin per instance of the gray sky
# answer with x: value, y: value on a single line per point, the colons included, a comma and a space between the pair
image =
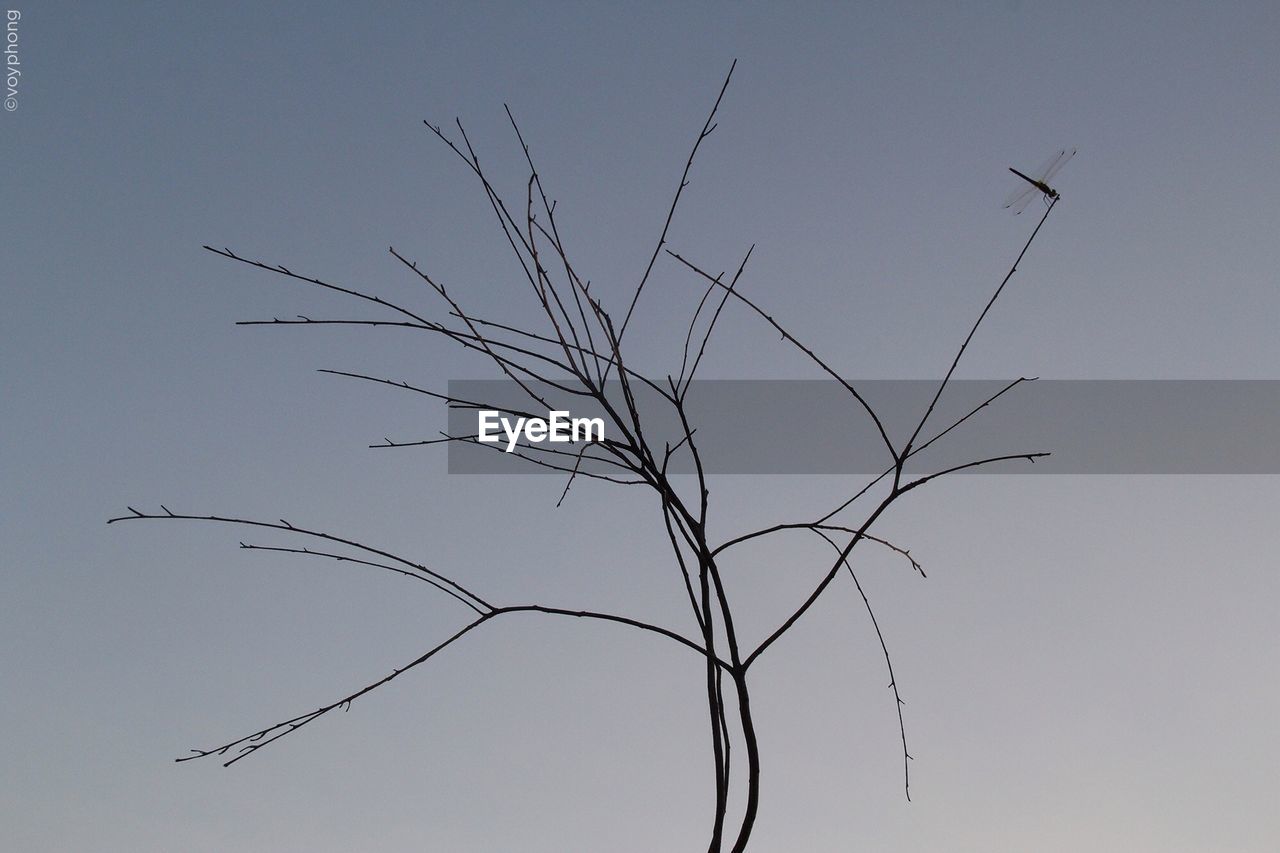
x: 1091, y: 664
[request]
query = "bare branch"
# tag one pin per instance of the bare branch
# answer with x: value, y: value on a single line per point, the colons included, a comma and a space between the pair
x: 455, y: 589
x: 858, y: 536
x: 728, y: 291
x: 707, y: 128
x: 253, y: 742
x: 609, y: 617
x: 888, y: 661
x: 921, y: 448
x: 345, y: 559
x: 1030, y: 457
x: 942, y: 386
x: 285, y: 271
x: 787, y: 336
x: 250, y: 744
x: 504, y: 365
x: 553, y: 236
x: 819, y: 527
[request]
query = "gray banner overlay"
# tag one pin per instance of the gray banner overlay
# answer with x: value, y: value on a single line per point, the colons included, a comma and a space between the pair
x: 817, y: 427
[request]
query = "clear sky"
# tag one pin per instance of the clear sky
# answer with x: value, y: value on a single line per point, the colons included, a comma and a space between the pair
x: 1091, y: 664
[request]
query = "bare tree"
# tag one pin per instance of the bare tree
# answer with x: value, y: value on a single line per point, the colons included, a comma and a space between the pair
x: 576, y: 346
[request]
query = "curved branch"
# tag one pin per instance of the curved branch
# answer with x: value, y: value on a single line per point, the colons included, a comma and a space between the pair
x: 814, y: 357
x: 285, y: 271
x: 342, y: 558
x: 609, y: 617
x: 253, y: 742
x: 250, y: 744
x: 818, y: 527
x: 456, y: 590
x: 893, y: 681
x: 1030, y: 457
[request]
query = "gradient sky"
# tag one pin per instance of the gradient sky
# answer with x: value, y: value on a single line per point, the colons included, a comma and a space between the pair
x: 1091, y: 664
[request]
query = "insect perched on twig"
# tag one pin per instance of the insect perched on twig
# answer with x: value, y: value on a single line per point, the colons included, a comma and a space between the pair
x: 1017, y: 202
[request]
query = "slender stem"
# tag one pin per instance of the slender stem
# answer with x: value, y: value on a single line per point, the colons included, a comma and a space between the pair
x: 942, y: 386
x: 707, y: 127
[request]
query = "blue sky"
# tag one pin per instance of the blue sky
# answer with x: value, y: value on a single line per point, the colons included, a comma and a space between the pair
x: 1091, y: 663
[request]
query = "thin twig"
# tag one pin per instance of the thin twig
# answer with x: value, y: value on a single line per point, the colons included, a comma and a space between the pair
x: 707, y: 128
x: 972, y: 331
x: 456, y: 590
x: 888, y: 661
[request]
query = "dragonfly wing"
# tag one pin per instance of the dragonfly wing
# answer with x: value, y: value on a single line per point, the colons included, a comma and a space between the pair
x: 1056, y: 163
x: 1050, y: 164
x: 1019, y: 198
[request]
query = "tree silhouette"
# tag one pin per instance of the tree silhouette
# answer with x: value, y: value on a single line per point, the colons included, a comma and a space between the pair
x: 575, y: 345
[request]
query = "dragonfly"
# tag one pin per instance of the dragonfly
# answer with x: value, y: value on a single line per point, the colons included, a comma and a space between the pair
x: 1022, y: 196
